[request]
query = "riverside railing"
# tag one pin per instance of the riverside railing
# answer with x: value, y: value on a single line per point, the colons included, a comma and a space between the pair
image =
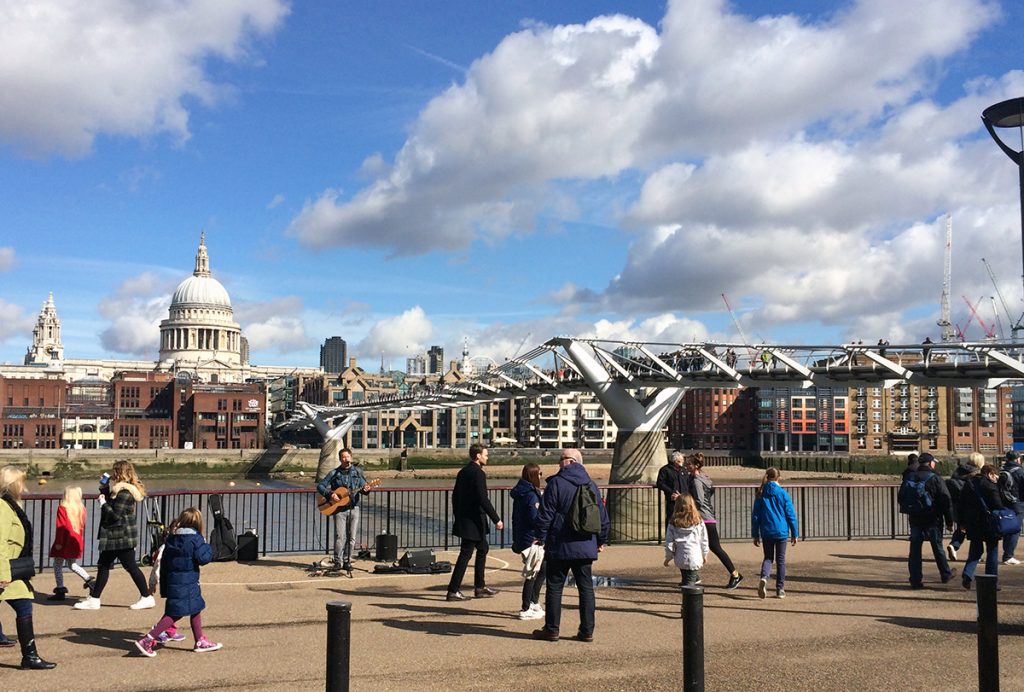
x: 286, y: 520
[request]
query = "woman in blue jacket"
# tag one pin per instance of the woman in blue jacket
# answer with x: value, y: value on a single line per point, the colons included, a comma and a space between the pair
x: 525, y: 507
x: 772, y: 521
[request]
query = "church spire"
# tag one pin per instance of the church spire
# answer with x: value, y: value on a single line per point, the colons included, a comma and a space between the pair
x: 202, y: 260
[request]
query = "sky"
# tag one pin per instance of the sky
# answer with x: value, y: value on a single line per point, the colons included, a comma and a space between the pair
x: 409, y: 173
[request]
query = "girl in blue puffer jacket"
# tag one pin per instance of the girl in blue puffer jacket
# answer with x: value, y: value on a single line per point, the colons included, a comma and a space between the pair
x: 772, y: 521
x: 183, y: 553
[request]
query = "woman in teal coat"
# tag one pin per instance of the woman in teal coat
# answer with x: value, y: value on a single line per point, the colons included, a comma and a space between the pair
x: 772, y: 521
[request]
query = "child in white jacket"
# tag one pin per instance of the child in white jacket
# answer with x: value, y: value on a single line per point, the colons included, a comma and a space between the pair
x: 686, y: 540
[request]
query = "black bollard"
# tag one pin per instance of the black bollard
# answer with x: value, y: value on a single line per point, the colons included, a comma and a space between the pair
x: 339, y: 630
x: 988, y: 635
x: 693, y: 639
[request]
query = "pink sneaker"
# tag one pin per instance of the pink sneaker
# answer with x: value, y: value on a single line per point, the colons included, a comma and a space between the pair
x: 204, y: 645
x: 146, y: 646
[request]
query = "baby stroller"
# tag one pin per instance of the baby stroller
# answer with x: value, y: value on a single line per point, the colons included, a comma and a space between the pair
x: 157, y: 531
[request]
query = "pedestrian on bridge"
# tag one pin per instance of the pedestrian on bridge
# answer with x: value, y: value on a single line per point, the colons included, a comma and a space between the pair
x: 703, y: 491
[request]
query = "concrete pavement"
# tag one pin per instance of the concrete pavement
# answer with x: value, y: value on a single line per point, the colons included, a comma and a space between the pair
x: 850, y: 622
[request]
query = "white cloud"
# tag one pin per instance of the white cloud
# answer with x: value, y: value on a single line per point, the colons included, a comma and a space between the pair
x: 277, y: 201
x: 276, y: 325
x: 6, y: 258
x: 591, y: 101
x: 70, y: 71
x: 13, y: 321
x: 135, y: 311
x: 397, y: 336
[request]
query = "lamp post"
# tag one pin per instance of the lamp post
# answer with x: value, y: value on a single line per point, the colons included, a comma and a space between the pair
x: 1010, y: 114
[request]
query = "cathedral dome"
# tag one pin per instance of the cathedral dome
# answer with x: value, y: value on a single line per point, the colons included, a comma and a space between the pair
x: 200, y: 290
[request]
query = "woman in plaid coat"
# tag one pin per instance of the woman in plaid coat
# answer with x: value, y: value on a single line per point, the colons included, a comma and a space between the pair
x: 118, y: 535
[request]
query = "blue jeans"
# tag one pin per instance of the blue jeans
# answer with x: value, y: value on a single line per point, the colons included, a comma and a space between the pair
x: 558, y: 571
x: 1010, y: 545
x: 346, y: 525
x: 932, y: 534
x: 990, y: 546
x: 774, y: 549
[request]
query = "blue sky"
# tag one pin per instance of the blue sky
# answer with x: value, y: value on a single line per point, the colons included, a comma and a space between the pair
x: 406, y: 173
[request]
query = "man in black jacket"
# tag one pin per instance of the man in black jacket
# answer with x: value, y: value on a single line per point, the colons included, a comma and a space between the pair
x: 673, y: 482
x: 927, y: 525
x: 472, y: 508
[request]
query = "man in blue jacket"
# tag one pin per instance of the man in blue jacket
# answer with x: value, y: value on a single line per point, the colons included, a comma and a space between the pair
x: 567, y: 551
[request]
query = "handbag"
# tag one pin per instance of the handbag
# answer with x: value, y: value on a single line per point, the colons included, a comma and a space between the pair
x: 1000, y: 521
x: 22, y: 568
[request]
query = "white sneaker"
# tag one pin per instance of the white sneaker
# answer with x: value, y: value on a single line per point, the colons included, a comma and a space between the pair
x: 951, y: 552
x: 88, y: 603
x: 535, y: 607
x: 143, y: 603
x: 1011, y: 561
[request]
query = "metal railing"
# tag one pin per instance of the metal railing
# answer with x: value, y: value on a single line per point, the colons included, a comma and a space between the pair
x: 287, y: 521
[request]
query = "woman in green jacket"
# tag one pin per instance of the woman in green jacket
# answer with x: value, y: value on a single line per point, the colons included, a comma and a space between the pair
x: 16, y: 541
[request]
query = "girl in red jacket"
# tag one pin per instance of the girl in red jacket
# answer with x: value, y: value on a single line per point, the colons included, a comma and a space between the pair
x: 68, y: 541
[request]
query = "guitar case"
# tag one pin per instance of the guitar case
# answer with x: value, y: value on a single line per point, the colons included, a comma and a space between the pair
x: 222, y: 537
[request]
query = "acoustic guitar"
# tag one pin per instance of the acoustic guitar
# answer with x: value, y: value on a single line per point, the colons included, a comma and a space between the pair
x: 328, y: 507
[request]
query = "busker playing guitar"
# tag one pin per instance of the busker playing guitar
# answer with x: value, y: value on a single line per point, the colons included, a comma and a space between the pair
x: 346, y: 482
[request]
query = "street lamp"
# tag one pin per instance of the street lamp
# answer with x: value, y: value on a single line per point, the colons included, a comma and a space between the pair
x: 1010, y: 114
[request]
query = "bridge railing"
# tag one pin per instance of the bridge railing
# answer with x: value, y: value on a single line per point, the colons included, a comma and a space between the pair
x: 286, y: 520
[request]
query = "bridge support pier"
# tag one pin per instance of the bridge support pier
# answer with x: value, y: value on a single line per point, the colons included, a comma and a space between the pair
x: 639, y: 447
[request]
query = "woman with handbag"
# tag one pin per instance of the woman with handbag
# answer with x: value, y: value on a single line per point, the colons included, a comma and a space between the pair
x: 16, y: 566
x: 978, y: 509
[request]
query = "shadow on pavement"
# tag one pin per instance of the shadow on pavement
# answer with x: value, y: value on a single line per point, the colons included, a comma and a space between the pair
x: 879, y: 558
x: 454, y: 629
x: 108, y: 639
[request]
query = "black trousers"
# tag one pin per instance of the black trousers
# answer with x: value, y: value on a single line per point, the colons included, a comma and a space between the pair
x: 465, y: 553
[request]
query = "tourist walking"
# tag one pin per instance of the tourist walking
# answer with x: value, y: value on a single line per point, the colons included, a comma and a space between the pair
x: 963, y: 472
x: 703, y: 491
x: 924, y: 499
x: 68, y: 541
x: 118, y: 534
x: 772, y: 521
x: 1014, y: 476
x: 471, y: 508
x: 184, y: 552
x: 979, y: 497
x: 15, y: 542
x: 526, y: 496
x: 673, y: 482
x: 342, y: 487
x: 566, y: 550
x: 686, y: 541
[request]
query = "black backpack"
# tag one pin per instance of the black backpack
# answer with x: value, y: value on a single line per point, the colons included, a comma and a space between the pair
x: 585, y: 514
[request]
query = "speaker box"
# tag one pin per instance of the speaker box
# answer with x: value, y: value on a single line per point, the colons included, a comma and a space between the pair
x: 387, y: 547
x: 248, y: 547
x: 417, y: 558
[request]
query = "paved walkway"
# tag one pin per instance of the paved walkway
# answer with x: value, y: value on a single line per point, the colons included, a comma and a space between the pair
x: 850, y: 622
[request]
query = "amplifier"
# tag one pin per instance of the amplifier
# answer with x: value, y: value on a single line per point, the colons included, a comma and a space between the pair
x: 248, y: 547
x: 417, y: 558
x: 387, y: 547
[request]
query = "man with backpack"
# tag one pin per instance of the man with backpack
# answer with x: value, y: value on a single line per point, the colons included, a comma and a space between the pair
x: 573, y: 526
x: 1011, y: 482
x: 923, y: 497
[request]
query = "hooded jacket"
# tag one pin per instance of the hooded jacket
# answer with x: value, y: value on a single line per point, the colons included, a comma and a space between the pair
x: 686, y: 545
x: 118, y: 530
x: 184, y: 551
x: 525, y: 508
x: 703, y: 491
x: 560, y: 542
x: 773, y: 517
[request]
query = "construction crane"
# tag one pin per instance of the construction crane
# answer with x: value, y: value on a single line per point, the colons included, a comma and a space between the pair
x: 990, y: 332
x: 520, y: 346
x: 999, y: 320
x: 947, y: 333
x: 1015, y: 327
x: 739, y: 330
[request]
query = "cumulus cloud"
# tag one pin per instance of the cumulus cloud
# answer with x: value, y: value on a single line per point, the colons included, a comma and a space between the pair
x: 593, y: 100
x: 6, y: 258
x: 397, y: 336
x: 275, y: 325
x: 135, y: 311
x: 71, y: 71
x: 13, y: 321
x: 277, y: 200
